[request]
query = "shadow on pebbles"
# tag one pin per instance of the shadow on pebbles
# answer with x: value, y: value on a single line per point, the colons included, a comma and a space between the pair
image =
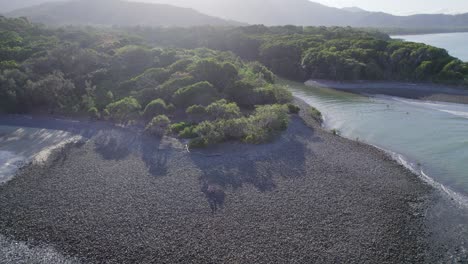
x: 308, y: 197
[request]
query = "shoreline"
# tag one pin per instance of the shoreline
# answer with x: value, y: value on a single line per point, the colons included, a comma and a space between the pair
x: 420, y: 91
x: 399, y: 158
x: 272, y: 184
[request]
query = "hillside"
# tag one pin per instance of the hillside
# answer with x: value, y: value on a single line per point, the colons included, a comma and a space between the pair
x: 115, y: 12
x: 304, y: 12
x: 9, y: 5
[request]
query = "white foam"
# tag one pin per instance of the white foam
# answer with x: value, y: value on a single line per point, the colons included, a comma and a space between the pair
x: 456, y: 113
x: 9, y: 164
x: 416, y: 169
x: 459, y: 198
x: 20, y: 146
x: 43, y: 156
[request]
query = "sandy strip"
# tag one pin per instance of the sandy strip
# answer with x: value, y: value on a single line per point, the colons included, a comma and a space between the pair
x: 422, y: 91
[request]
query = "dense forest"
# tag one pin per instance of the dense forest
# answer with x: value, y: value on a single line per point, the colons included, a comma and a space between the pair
x: 338, y: 53
x: 205, y: 95
x: 207, y: 84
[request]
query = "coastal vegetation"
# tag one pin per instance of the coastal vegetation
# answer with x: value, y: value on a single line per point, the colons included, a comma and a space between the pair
x: 336, y: 53
x: 206, y: 84
x: 205, y: 95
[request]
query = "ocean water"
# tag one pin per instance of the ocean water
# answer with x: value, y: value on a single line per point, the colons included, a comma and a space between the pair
x: 430, y: 138
x: 454, y: 43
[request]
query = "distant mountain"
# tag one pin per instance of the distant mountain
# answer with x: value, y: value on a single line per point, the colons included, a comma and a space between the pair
x: 10, y: 5
x: 116, y: 12
x: 304, y: 12
x: 353, y: 9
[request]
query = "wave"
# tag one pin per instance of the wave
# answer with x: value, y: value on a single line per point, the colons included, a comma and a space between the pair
x: 10, y: 163
x: 455, y: 113
x: 461, y: 199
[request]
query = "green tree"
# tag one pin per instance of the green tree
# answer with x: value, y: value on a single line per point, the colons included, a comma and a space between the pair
x: 124, y: 110
x: 202, y: 93
x: 155, y: 108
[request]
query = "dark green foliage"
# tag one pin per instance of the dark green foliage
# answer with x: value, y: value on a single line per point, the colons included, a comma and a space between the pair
x: 52, y: 93
x: 339, y: 53
x: 202, y: 93
x: 111, y: 73
x: 188, y: 132
x: 178, y: 127
x: 262, y: 71
x: 196, y: 113
x: 155, y: 108
x: 167, y: 89
x: 198, y: 143
x: 158, y: 126
x: 294, y: 109
x: 93, y: 112
x: 184, y: 130
x: 124, y: 110
x: 316, y: 114
x: 132, y: 60
x: 260, y: 127
x: 223, y: 110
x: 219, y: 75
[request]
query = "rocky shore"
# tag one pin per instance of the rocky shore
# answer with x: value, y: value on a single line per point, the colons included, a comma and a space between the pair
x: 307, y: 197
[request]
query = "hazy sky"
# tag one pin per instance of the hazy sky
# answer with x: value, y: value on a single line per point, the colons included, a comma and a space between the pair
x: 403, y: 7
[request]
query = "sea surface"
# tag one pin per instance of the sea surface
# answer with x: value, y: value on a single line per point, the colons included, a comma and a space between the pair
x: 454, y: 43
x: 428, y: 137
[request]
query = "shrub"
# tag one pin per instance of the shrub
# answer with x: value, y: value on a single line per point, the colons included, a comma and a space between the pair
x: 196, y: 112
x: 257, y: 136
x: 150, y: 78
x: 293, y: 109
x: 167, y: 89
x: 171, y: 108
x: 188, y: 132
x: 247, y: 93
x: 236, y: 128
x: 316, y: 114
x: 158, y: 126
x: 154, y: 108
x: 202, y: 93
x: 124, y: 110
x: 263, y: 71
x: 224, y: 110
x: 93, y: 112
x: 335, y: 132
x: 220, y: 75
x: 210, y: 132
x: 198, y: 143
x: 178, y: 127
x: 273, y: 117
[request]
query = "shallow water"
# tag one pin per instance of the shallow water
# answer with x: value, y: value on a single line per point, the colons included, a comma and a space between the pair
x: 431, y: 138
x: 454, y: 43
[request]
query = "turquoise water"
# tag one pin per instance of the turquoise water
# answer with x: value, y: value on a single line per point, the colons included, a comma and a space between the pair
x: 454, y: 43
x: 431, y: 138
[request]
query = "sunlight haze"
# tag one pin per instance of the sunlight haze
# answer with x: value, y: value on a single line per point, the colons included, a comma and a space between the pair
x: 403, y: 7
